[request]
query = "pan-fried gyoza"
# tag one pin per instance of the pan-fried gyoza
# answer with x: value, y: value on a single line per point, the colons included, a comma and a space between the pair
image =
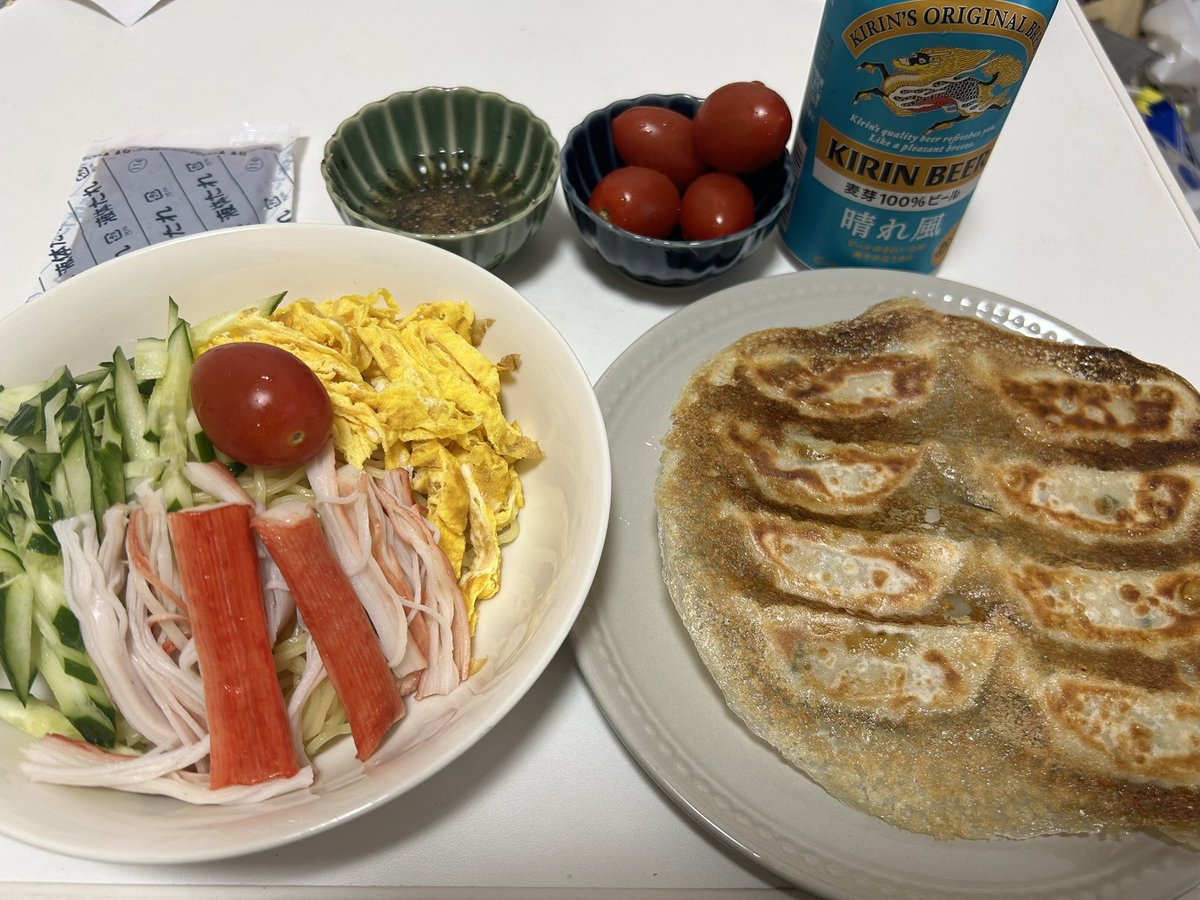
x: 950, y: 572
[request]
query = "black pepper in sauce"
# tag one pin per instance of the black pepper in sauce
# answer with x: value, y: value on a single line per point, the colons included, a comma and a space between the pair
x: 457, y: 198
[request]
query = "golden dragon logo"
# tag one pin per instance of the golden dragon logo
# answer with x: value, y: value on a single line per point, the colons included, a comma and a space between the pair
x: 949, y: 79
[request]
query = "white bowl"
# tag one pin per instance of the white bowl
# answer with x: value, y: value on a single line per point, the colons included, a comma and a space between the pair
x: 547, y: 570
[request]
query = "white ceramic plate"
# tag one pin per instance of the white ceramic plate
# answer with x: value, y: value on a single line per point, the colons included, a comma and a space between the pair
x: 546, y: 571
x: 661, y: 701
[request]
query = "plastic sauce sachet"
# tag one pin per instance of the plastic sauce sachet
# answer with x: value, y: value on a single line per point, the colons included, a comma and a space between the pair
x: 140, y: 191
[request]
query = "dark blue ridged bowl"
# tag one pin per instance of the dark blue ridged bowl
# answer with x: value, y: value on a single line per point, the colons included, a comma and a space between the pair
x: 588, y: 155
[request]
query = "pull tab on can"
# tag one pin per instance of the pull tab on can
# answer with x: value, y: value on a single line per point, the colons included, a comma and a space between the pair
x: 904, y: 104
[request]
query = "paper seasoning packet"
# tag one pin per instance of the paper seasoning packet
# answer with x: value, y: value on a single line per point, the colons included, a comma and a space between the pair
x: 139, y: 191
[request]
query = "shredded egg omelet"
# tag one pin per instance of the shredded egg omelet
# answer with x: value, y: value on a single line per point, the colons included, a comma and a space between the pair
x: 414, y: 390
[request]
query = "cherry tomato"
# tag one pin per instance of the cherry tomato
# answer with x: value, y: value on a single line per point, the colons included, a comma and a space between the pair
x: 741, y: 127
x: 259, y: 404
x: 715, y: 205
x: 658, y: 138
x: 637, y: 199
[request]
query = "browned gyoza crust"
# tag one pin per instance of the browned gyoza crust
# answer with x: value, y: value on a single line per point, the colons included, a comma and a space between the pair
x: 950, y: 572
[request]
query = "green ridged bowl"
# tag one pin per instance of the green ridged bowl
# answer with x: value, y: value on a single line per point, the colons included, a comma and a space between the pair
x: 469, y: 171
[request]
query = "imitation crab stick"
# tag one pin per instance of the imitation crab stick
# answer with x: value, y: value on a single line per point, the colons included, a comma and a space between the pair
x: 335, y: 618
x: 218, y: 566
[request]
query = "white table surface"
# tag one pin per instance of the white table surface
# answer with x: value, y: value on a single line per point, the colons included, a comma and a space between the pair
x: 1075, y: 217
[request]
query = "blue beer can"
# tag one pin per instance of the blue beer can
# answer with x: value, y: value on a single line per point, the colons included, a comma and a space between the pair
x: 905, y: 102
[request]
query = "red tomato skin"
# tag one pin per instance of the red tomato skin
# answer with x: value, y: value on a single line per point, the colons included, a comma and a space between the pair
x: 660, y: 139
x: 639, y: 200
x: 260, y: 404
x: 715, y: 205
x: 741, y: 127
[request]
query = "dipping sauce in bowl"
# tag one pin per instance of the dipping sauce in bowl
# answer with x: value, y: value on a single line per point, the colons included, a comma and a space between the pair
x: 469, y: 171
x: 460, y: 196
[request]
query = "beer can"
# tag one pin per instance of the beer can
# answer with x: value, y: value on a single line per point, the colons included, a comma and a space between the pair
x: 905, y: 102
